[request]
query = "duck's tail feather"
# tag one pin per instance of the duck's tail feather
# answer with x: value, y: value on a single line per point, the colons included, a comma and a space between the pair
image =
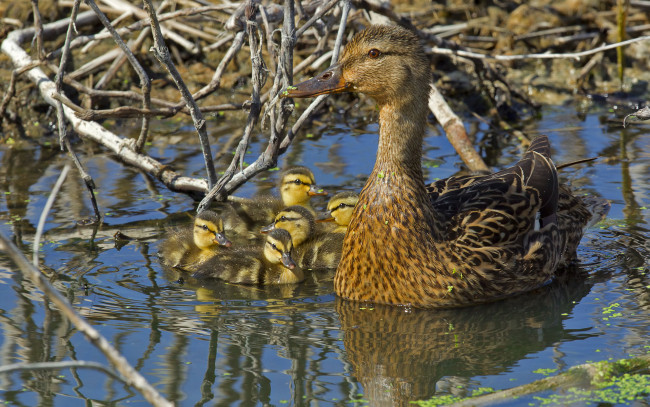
x: 598, y: 208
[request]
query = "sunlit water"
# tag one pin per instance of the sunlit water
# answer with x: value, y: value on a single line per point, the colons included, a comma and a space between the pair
x: 227, y: 345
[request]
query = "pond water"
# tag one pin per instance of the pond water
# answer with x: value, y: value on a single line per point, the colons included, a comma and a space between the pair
x: 225, y: 345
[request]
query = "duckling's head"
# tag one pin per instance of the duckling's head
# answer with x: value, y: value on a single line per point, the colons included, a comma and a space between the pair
x: 341, y: 207
x: 384, y: 62
x: 297, y: 220
x: 297, y: 186
x: 278, y: 247
x: 208, y: 230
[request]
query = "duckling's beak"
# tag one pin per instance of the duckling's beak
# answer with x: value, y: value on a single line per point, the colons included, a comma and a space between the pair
x: 266, y: 229
x: 330, y: 219
x: 314, y: 190
x: 288, y: 261
x: 330, y: 81
x: 221, y: 239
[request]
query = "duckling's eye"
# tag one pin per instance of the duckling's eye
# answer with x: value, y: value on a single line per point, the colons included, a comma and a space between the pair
x: 283, y: 218
x: 297, y: 182
x: 204, y: 227
x: 374, y: 53
x: 342, y: 205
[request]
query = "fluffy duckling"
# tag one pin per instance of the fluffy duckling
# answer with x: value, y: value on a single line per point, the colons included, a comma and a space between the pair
x: 274, y: 266
x: 314, y: 248
x: 340, y: 208
x: 297, y: 186
x: 188, y: 248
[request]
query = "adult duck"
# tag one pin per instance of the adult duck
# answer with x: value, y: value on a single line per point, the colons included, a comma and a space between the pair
x: 472, y: 242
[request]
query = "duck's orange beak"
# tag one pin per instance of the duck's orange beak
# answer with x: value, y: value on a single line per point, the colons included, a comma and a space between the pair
x: 325, y: 220
x: 330, y: 81
x: 266, y: 229
x: 315, y: 191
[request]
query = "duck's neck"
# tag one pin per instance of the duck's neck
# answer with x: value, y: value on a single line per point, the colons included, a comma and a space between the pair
x: 402, y: 126
x: 398, y: 168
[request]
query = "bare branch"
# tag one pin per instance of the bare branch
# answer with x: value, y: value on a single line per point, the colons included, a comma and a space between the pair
x: 161, y: 53
x: 132, y: 376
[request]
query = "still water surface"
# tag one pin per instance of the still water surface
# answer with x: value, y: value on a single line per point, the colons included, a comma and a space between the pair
x: 224, y: 345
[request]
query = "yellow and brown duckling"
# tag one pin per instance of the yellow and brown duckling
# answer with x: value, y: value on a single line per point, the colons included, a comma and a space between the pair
x: 297, y: 187
x: 496, y: 236
x: 340, y: 207
x: 274, y: 265
x: 313, y: 247
x: 189, y: 247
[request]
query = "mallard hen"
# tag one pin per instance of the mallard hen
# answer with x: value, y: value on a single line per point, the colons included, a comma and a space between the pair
x: 474, y: 241
x: 314, y: 247
x: 273, y: 266
x: 189, y: 247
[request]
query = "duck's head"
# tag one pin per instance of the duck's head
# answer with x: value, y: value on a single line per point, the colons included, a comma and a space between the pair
x: 278, y: 247
x: 208, y: 230
x: 297, y: 220
x: 297, y: 186
x: 384, y: 62
x: 341, y: 207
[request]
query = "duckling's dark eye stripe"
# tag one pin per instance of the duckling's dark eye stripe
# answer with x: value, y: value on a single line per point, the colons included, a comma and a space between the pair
x: 286, y: 218
x: 341, y: 206
x: 274, y: 247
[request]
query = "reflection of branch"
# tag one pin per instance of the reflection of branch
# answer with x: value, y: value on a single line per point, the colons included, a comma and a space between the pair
x: 132, y: 376
x: 60, y: 365
x: 46, y: 209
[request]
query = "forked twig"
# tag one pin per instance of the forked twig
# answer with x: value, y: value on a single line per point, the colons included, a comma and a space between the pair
x: 63, y: 135
x: 161, y: 52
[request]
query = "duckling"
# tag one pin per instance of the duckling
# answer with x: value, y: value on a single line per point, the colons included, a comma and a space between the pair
x: 314, y: 248
x: 297, y: 186
x: 275, y: 266
x: 478, y: 240
x: 188, y: 248
x: 341, y: 207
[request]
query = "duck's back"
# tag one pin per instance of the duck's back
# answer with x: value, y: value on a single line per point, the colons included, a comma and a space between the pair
x: 321, y: 251
x: 513, y: 208
x: 236, y: 267
x: 178, y: 250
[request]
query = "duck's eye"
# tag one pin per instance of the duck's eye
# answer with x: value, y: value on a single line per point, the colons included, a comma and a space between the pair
x: 342, y: 205
x: 297, y: 182
x: 283, y: 218
x: 204, y: 227
x: 374, y: 53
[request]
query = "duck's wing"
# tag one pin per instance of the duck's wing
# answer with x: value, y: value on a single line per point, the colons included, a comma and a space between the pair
x: 502, y: 208
x: 444, y: 186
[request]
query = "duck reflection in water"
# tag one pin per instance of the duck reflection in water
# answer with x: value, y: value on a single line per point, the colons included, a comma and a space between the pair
x: 402, y: 354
